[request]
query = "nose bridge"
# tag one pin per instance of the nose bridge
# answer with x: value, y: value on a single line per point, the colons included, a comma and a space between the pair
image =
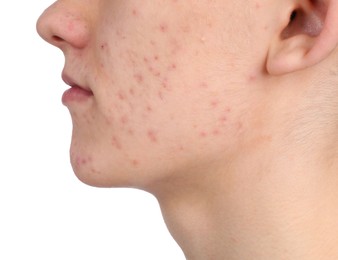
x: 64, y: 24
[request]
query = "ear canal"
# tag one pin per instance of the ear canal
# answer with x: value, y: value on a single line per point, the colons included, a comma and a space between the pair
x: 301, y: 23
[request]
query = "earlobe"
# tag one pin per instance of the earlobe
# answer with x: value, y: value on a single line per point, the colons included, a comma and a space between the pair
x: 309, y: 34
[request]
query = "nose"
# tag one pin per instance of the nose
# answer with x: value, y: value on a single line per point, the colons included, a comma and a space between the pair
x: 64, y: 24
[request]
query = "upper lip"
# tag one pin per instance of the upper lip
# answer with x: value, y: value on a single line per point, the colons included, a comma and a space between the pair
x: 72, y: 83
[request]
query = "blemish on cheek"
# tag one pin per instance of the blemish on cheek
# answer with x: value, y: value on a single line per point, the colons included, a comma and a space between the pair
x: 135, y: 163
x: 203, y: 85
x: 160, y: 95
x: 149, y: 109
x: 131, y: 92
x: 116, y: 143
x: 135, y: 12
x: 164, y: 27
x: 214, y: 103
x: 203, y: 134
x: 172, y: 67
x: 139, y: 78
x: 121, y: 95
x: 258, y: 5
x: 252, y: 78
x: 152, y: 135
x: 131, y: 132
x: 215, y: 132
x: 124, y: 120
x: 223, y: 119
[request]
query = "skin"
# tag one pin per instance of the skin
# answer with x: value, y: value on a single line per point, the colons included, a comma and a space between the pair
x: 188, y: 105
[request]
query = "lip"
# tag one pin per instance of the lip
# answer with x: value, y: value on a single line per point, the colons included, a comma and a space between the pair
x: 76, y: 93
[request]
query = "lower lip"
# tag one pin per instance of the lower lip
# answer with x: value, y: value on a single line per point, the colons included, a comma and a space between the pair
x: 76, y: 94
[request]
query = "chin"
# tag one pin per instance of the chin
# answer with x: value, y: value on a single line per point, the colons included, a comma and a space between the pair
x: 94, y: 174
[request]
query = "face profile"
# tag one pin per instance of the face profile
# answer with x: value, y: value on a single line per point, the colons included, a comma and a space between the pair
x: 216, y: 107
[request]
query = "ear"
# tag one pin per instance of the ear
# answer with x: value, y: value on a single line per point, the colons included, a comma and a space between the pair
x: 307, y: 34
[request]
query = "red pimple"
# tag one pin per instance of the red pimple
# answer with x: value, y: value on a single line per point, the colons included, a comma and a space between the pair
x: 173, y: 66
x: 214, y: 103
x: 252, y: 78
x: 121, y: 96
x: 163, y: 27
x: 139, y: 78
x: 131, y: 92
x: 149, y: 109
x: 116, y: 143
x: 203, y: 134
x: 124, y: 120
x: 258, y: 5
x: 152, y: 136
x: 215, y: 132
x: 130, y: 132
x: 135, y: 12
x: 223, y: 119
x: 135, y: 162
x: 203, y: 85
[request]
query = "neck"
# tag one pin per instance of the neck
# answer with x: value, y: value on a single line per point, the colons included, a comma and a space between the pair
x: 250, y: 213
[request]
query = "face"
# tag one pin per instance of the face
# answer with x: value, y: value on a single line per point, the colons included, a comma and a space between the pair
x: 163, y: 86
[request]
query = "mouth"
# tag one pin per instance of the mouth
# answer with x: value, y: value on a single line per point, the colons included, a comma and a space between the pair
x: 76, y: 92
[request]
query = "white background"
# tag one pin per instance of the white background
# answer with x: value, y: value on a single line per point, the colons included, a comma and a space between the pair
x: 45, y: 212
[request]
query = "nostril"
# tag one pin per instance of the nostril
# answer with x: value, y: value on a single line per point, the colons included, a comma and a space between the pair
x: 57, y: 38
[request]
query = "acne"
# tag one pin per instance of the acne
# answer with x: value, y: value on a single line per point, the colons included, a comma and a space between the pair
x: 135, y: 12
x: 152, y: 135
x: 216, y: 132
x: 203, y: 134
x: 172, y: 67
x: 149, y: 109
x: 214, y: 103
x: 103, y: 46
x: 252, y: 78
x: 135, y: 163
x: 124, y: 120
x: 164, y: 27
x: 121, y: 96
x: 82, y: 160
x: 131, y: 92
x: 116, y: 143
x: 139, y: 78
